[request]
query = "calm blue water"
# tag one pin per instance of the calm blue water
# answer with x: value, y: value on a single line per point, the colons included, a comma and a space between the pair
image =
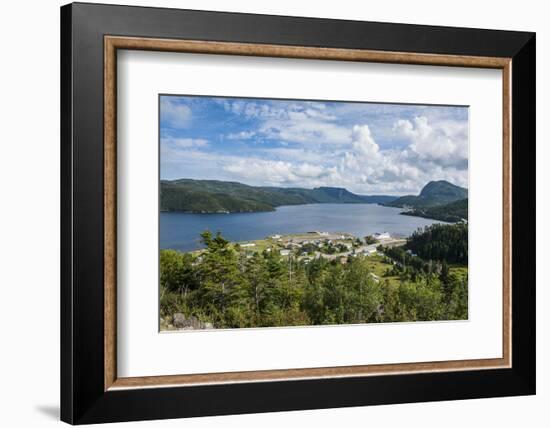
x: 181, y: 231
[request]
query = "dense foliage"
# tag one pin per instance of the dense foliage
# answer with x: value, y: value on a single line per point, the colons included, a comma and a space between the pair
x: 452, y: 212
x: 228, y: 287
x: 180, y: 199
x: 217, y: 196
x: 441, y: 242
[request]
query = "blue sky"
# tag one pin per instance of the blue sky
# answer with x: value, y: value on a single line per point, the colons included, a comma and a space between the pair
x: 367, y: 148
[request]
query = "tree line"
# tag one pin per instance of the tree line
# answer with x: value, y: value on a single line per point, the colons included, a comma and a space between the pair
x: 441, y: 242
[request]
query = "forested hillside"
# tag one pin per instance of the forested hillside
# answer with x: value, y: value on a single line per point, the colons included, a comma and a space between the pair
x: 433, y: 194
x: 209, y: 196
x: 452, y: 212
x: 441, y: 242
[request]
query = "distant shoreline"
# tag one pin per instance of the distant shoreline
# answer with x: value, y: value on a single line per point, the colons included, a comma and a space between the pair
x: 412, y: 213
x: 270, y: 210
x: 415, y: 213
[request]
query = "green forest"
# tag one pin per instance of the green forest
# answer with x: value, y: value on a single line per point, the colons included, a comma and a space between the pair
x: 223, y: 286
x: 211, y: 196
x: 451, y: 212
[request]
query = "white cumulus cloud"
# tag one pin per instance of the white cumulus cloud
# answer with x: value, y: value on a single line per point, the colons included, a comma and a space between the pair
x: 363, y: 143
x: 443, y: 142
x: 262, y: 171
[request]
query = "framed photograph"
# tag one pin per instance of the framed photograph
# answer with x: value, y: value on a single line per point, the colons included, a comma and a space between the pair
x: 266, y: 213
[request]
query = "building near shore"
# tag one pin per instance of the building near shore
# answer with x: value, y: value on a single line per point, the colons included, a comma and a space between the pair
x: 383, y: 235
x: 319, y: 233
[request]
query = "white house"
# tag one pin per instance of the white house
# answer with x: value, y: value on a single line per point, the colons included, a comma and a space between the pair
x: 383, y: 235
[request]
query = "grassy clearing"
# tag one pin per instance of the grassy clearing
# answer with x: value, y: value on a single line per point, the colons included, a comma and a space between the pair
x: 259, y: 245
x: 378, y: 267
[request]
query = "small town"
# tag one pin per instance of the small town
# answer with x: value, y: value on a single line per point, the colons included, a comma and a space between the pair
x: 316, y: 244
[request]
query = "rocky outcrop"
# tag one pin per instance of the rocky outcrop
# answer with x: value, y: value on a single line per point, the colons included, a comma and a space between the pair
x: 181, y: 322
